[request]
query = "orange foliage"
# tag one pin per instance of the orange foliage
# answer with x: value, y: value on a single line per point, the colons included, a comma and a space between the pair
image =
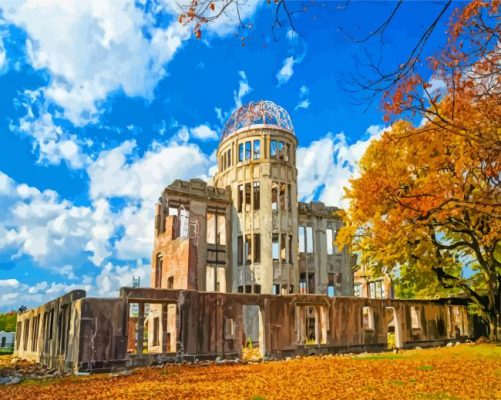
x: 420, y: 374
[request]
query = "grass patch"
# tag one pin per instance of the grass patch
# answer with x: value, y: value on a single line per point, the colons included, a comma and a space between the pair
x: 425, y: 367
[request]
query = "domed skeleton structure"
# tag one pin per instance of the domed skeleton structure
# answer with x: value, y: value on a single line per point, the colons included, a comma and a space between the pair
x: 263, y: 112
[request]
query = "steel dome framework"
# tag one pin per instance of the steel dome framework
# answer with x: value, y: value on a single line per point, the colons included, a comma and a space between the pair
x: 263, y: 112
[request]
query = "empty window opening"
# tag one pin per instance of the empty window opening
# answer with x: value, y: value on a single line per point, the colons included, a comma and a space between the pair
x: 247, y: 197
x: 376, y: 290
x: 221, y: 229
x: 287, y: 151
x: 273, y: 149
x: 228, y: 153
x: 276, y: 289
x: 301, y: 239
x: 156, y: 331
x: 274, y: 196
x: 289, y: 197
x: 248, y: 249
x: 415, y: 318
x: 248, y: 288
x: 256, y: 195
x: 357, y: 289
x: 240, y: 250
x: 367, y: 319
x: 329, y: 238
x: 240, y: 289
x: 170, y: 282
x: 248, y: 150
x: 240, y: 152
x: 302, y: 283
x: 283, y: 253
x: 309, y: 239
x: 275, y: 247
x: 291, y: 259
x: 257, y: 149
x: 252, y: 335
x: 257, y: 289
x: 211, y: 228
x: 280, y: 150
x: 257, y: 247
x: 283, y: 200
x: 331, y: 290
x: 240, y: 198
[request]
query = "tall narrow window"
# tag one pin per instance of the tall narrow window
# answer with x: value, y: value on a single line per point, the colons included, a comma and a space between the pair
x: 248, y: 249
x: 170, y: 282
x: 329, y: 238
x: 211, y: 228
x: 283, y: 200
x: 240, y: 250
x: 221, y: 229
x: 229, y: 157
x: 257, y: 149
x: 257, y: 195
x: 301, y: 239
x: 331, y: 291
x: 257, y: 247
x: 273, y: 149
x: 291, y: 259
x: 248, y: 150
x: 280, y: 150
x: 156, y: 328
x: 287, y: 151
x: 309, y: 239
x: 158, y: 270
x: 240, y: 152
x: 274, y: 247
x: 283, y: 254
x: 240, y: 197
x: 247, y: 197
x: 415, y: 318
x: 274, y: 196
x: 289, y: 197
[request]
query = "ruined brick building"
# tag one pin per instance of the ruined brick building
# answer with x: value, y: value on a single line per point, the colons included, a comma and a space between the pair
x: 237, y: 263
x: 247, y: 232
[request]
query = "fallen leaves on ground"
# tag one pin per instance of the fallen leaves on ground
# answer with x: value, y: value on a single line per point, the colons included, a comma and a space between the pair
x: 459, y: 372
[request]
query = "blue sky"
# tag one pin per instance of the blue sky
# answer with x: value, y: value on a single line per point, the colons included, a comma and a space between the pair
x: 102, y: 104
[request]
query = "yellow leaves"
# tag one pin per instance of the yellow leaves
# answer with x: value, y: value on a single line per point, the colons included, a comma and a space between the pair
x: 436, y: 373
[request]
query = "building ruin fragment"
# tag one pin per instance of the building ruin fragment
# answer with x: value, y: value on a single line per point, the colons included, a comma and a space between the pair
x: 237, y: 262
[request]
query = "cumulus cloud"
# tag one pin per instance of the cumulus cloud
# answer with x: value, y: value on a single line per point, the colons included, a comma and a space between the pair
x: 94, y: 48
x: 303, y: 104
x: 14, y: 293
x: 204, y: 132
x: 326, y: 166
x: 113, y: 277
x: 52, y: 142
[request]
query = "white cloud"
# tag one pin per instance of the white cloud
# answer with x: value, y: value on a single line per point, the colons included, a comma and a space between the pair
x: 13, y: 293
x: 326, y: 166
x: 113, y: 277
x: 54, y: 144
x: 243, y: 89
x: 93, y: 48
x: 303, y: 104
x: 3, y: 56
x: 204, y: 132
x: 286, y: 71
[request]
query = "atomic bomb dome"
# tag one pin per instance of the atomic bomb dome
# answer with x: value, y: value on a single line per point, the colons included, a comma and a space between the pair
x: 262, y: 112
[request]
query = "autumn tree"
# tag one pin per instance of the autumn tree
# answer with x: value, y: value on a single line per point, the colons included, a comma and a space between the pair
x: 428, y: 199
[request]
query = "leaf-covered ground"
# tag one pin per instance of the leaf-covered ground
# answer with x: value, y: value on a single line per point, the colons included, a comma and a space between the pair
x: 459, y: 372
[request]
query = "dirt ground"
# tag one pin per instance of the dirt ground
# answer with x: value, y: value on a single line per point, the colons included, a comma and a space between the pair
x: 466, y: 371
